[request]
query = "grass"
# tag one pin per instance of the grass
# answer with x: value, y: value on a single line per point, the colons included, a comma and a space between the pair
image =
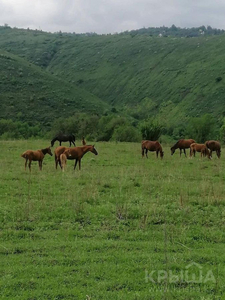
x: 113, y: 230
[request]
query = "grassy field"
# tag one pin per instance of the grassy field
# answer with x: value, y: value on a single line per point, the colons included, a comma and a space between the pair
x: 121, y: 228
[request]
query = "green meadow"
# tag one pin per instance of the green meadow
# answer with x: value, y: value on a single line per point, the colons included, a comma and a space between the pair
x: 124, y: 227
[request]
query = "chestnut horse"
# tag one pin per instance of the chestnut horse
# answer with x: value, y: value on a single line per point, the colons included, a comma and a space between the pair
x: 58, y: 151
x: 199, y: 148
x: 182, y: 145
x: 63, y: 138
x: 76, y: 153
x: 37, y: 155
x: 151, y: 146
x: 214, y: 146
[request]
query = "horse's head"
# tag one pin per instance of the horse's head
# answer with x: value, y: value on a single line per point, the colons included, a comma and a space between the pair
x: 93, y: 150
x: 161, y: 154
x: 49, y: 151
x: 172, y: 150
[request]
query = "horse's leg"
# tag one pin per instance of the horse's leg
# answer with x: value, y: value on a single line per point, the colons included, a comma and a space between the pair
x: 60, y: 142
x: 70, y: 143
x: 218, y: 153
x: 75, y: 164
x: 79, y: 163
x: 73, y: 143
x: 39, y: 162
x: 29, y: 165
x: 185, y: 153
x: 157, y: 153
x: 26, y: 164
x: 142, y: 152
x: 56, y: 162
x: 146, y: 152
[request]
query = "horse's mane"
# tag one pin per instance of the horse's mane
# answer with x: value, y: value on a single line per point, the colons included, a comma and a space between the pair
x: 175, y: 145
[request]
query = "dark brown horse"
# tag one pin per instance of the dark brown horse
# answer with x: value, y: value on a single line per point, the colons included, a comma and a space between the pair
x: 182, y: 145
x: 64, y: 138
x: 37, y: 155
x: 214, y: 146
x: 151, y: 146
x: 76, y: 153
x: 58, y: 151
x: 199, y: 148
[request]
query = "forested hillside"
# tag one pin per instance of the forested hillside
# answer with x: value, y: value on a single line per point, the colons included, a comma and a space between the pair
x: 168, y: 78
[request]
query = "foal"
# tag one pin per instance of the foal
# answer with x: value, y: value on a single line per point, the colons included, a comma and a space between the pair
x: 83, y: 141
x: 37, y: 155
x: 58, y: 151
x: 199, y: 148
x: 76, y: 153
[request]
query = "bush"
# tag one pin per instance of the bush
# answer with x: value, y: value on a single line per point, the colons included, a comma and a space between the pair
x: 16, y: 130
x: 126, y: 133
x: 202, y: 129
x: 151, y: 130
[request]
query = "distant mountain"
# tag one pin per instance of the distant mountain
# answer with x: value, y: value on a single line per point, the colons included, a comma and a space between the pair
x: 144, y: 73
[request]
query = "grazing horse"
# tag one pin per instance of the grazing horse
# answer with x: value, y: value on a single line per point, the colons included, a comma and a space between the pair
x: 37, y: 155
x: 182, y: 145
x: 63, y: 138
x: 58, y: 151
x: 199, y: 148
x: 151, y: 146
x: 76, y: 153
x: 214, y: 146
x: 83, y: 141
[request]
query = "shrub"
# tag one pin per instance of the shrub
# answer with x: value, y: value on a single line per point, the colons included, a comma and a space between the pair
x: 126, y: 133
x: 151, y: 130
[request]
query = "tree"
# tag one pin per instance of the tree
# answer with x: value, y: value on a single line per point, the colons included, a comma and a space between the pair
x: 202, y: 129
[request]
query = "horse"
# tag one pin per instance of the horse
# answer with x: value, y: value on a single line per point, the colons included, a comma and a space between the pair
x: 199, y: 148
x: 83, y: 141
x: 151, y: 146
x: 76, y: 153
x: 214, y: 146
x: 64, y: 138
x: 37, y: 155
x: 182, y: 145
x: 58, y: 151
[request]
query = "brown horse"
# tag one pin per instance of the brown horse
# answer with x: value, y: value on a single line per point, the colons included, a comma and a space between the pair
x: 214, y: 146
x: 83, y: 141
x: 58, y: 151
x: 151, y: 146
x: 182, y: 145
x: 37, y: 155
x: 199, y: 148
x: 76, y: 153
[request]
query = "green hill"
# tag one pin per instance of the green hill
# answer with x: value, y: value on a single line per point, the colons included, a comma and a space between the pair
x: 33, y: 95
x: 141, y: 75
